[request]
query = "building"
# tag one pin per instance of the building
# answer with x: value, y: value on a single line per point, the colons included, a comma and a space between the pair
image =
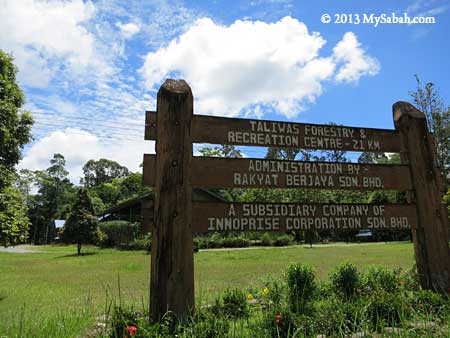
x: 141, y: 209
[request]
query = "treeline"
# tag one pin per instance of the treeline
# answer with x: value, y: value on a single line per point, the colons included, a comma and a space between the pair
x: 50, y: 195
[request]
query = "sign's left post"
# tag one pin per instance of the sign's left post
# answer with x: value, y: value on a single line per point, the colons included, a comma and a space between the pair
x: 172, y: 253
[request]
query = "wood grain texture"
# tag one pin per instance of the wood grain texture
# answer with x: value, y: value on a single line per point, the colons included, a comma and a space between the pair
x: 301, y: 217
x: 210, y: 172
x: 172, y: 268
x: 431, y: 235
x: 216, y: 130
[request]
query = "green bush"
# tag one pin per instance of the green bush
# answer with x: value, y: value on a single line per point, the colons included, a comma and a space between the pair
x: 266, y: 239
x: 335, y: 318
x: 207, y: 325
x: 143, y: 243
x: 235, y: 242
x: 283, y: 240
x: 346, y: 280
x: 301, y: 286
x: 385, y: 309
x: 279, y: 323
x: 427, y: 301
x: 410, y: 279
x: 273, y: 292
x: 118, y: 232
x: 380, y: 278
x: 235, y: 304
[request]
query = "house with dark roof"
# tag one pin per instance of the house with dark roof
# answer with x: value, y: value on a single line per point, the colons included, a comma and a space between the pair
x: 141, y: 208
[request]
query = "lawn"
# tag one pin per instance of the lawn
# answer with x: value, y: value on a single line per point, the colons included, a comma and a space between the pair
x: 39, y: 290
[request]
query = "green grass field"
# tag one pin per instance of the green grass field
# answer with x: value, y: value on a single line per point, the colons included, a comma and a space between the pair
x: 39, y: 290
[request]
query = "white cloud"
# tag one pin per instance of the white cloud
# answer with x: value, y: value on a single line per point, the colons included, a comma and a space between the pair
x: 49, y: 36
x: 357, y: 63
x: 427, y: 7
x: 128, y: 30
x: 79, y: 146
x: 237, y: 68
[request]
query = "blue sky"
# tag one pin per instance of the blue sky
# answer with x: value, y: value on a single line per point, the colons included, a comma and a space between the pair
x: 90, y: 69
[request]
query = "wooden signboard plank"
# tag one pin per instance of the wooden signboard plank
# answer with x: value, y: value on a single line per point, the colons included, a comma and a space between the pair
x: 211, y: 172
x: 265, y: 133
x: 300, y: 217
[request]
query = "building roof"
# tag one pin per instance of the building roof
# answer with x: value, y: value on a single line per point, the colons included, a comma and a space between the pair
x: 136, y: 201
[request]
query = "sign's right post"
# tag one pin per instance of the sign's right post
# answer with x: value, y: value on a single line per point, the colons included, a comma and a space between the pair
x: 431, y: 235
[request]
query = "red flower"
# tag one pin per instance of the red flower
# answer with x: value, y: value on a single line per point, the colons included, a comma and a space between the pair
x: 278, y: 318
x: 131, y: 330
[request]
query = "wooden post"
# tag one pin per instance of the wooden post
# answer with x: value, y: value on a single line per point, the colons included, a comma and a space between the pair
x: 172, y: 253
x: 431, y: 234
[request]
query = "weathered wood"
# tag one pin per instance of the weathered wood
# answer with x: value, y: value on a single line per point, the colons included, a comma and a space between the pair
x: 172, y: 268
x: 261, y: 173
x: 432, y: 231
x: 222, y: 130
x: 303, y: 217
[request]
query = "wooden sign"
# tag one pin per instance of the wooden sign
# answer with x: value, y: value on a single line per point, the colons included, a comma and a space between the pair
x: 174, y: 172
x: 265, y: 133
x: 263, y: 173
x: 300, y: 217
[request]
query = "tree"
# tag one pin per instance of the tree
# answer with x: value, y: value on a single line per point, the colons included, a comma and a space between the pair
x: 53, y: 200
x: 13, y: 219
x: 427, y: 99
x: 15, y: 132
x: 224, y: 150
x: 81, y: 226
x: 102, y: 171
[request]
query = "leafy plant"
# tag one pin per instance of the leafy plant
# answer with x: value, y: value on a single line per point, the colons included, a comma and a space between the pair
x: 235, y: 304
x: 379, y: 278
x: 385, y: 309
x: 301, y: 286
x: 346, y: 280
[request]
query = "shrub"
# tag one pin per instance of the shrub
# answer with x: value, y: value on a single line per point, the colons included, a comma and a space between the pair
x: 235, y: 304
x: 427, y: 301
x: 301, y: 286
x: 118, y: 232
x: 345, y: 280
x: 207, y: 325
x: 385, y: 309
x: 380, y: 278
x: 337, y: 318
x: 283, y: 240
x: 266, y: 239
x: 410, y: 279
x: 143, y: 243
x: 273, y: 292
x: 235, y: 242
x: 279, y: 323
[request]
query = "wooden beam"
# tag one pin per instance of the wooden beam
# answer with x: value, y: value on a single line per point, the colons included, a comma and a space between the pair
x: 265, y: 133
x: 301, y: 217
x: 209, y: 172
x: 431, y: 234
x: 172, y: 262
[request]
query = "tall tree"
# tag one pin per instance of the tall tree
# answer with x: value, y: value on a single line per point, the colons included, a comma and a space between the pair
x: 428, y: 99
x: 15, y: 132
x: 102, y: 171
x: 53, y: 200
x: 81, y: 226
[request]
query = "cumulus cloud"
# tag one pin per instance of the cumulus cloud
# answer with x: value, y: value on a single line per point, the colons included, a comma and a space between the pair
x: 41, y: 33
x: 356, y: 62
x: 127, y: 30
x: 236, y: 69
x: 79, y: 146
